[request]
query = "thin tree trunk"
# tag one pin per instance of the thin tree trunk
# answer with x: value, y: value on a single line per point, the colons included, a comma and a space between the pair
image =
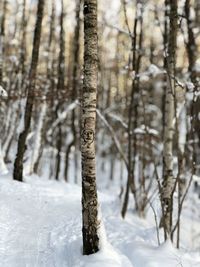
x: 88, y: 121
x: 18, y: 165
x: 2, y: 35
x: 48, y: 88
x: 192, y: 57
x: 76, y: 47
x: 59, y: 147
x: 23, y: 43
x: 169, y: 127
x: 165, y: 42
x: 133, y: 109
x: 60, y: 90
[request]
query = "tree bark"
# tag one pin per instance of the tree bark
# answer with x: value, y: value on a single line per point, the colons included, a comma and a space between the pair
x: 18, y: 165
x: 169, y: 127
x: 191, y: 47
x: 88, y: 121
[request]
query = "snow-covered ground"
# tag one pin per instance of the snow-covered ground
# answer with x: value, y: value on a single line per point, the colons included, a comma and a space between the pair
x: 40, y: 226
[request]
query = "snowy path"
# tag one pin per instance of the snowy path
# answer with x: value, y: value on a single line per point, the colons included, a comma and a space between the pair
x: 40, y: 226
x: 31, y: 218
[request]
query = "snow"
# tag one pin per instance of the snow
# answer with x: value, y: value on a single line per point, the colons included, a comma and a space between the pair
x: 14, y: 42
x: 192, y: 96
x: 3, y: 92
x: 190, y: 86
x: 22, y: 105
x: 118, y: 118
x: 182, y: 129
x: 154, y: 70
x: 40, y: 226
x: 38, y: 136
x: 114, y: 137
x: 3, y: 168
x: 143, y: 130
x: 62, y: 116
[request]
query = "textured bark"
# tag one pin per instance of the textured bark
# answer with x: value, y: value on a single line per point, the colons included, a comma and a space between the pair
x: 192, y: 57
x: 88, y: 121
x: 18, y: 165
x: 197, y: 11
x: 169, y: 127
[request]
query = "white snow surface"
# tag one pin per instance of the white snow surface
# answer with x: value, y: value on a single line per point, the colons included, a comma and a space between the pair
x: 40, y: 226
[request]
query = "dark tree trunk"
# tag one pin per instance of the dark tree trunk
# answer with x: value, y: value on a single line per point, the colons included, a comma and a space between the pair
x: 192, y: 57
x: 18, y: 165
x: 23, y: 42
x: 2, y: 34
x: 60, y: 90
x: 48, y: 89
x: 133, y: 114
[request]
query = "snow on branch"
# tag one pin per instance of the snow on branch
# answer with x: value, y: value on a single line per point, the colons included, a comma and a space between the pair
x: 3, y: 92
x: 152, y: 71
x: 62, y: 116
x: 146, y: 130
x: 114, y: 137
x: 118, y: 118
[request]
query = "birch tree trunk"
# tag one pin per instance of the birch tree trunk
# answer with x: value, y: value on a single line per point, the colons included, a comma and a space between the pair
x: 169, y: 126
x: 88, y: 121
x: 18, y: 165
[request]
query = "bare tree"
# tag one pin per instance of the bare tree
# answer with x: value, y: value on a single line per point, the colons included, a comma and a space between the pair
x: 2, y: 35
x: 60, y: 89
x: 133, y: 106
x: 23, y: 40
x: 18, y: 165
x: 169, y: 126
x: 192, y: 57
x: 88, y: 121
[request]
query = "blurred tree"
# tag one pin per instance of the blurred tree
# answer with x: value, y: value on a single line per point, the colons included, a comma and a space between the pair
x: 169, y: 126
x: 18, y: 165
